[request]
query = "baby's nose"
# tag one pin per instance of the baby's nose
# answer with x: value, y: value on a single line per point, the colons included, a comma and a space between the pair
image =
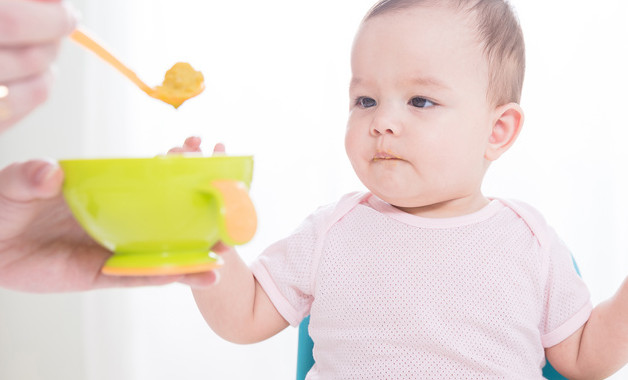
x: 385, y: 126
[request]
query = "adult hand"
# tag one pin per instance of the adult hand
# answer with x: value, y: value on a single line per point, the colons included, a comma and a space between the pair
x: 44, y: 249
x: 30, y: 33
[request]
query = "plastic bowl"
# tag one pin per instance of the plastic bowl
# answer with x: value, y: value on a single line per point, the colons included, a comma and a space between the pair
x: 162, y: 215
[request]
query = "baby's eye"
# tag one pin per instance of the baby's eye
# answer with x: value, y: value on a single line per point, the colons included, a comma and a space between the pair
x: 420, y: 102
x: 365, y: 102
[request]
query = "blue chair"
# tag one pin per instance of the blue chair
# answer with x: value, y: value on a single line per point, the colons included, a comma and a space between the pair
x: 305, y: 359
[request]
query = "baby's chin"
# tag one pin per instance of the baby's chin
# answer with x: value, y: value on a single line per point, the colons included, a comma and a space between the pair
x: 419, y: 206
x: 398, y: 201
x: 428, y: 205
x: 439, y: 208
x: 425, y: 210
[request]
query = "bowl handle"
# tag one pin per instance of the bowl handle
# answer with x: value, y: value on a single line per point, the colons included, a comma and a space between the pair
x: 237, y: 220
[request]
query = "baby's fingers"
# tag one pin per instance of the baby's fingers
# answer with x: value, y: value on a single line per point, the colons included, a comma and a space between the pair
x: 221, y: 248
x: 219, y: 149
x: 191, y: 144
x: 205, y: 279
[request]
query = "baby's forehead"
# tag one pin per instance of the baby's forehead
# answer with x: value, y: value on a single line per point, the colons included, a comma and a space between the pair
x: 426, y: 49
x: 460, y: 11
x: 435, y: 16
x: 492, y: 24
x: 436, y: 28
x: 447, y: 13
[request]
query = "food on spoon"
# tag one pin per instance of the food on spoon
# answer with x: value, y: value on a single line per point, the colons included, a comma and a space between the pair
x: 181, y: 83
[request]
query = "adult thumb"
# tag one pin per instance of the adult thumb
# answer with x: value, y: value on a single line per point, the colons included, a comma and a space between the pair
x: 31, y: 180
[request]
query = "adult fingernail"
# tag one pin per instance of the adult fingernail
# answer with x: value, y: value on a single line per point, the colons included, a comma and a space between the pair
x: 44, y: 172
x: 75, y: 15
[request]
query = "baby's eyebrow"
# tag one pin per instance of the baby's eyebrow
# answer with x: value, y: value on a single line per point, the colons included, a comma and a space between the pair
x: 355, y: 81
x: 428, y: 81
x: 419, y: 80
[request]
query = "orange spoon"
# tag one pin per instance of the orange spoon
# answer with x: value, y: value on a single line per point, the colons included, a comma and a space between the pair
x: 181, y: 83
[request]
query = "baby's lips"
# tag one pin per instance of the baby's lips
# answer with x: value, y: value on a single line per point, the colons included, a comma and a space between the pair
x: 385, y: 155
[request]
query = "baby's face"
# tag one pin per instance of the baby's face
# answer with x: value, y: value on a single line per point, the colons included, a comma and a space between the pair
x: 419, y: 120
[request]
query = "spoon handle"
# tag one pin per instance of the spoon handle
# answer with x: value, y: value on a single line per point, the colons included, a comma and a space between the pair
x: 79, y: 36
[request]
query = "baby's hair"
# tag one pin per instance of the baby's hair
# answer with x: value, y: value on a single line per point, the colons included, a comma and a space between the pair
x: 500, y: 33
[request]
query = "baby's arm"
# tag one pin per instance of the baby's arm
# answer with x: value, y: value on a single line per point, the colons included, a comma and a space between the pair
x: 600, y: 347
x: 237, y: 308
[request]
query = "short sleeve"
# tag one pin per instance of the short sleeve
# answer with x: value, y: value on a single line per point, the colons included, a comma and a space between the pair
x: 286, y: 270
x: 567, y: 299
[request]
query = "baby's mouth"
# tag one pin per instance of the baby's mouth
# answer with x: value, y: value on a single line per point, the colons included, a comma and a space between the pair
x: 385, y: 156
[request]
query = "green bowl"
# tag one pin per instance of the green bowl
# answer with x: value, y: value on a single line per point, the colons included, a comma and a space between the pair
x: 162, y: 215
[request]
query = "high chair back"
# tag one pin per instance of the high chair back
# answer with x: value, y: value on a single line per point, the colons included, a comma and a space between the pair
x: 305, y: 359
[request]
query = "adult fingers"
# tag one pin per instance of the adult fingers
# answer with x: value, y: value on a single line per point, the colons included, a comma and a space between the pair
x: 200, y: 280
x: 26, y: 181
x: 108, y: 281
x: 24, y: 61
x: 195, y: 280
x: 19, y: 98
x: 34, y: 22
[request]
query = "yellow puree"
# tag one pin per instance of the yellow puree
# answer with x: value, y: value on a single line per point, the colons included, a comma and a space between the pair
x: 181, y: 83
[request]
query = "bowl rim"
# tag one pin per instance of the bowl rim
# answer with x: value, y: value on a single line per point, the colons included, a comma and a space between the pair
x: 169, y: 157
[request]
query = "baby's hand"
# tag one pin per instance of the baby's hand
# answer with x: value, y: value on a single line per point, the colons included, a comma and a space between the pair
x: 193, y: 144
x: 219, y: 149
x: 201, y: 280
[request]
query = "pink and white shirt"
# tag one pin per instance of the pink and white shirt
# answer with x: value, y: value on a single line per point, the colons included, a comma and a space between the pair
x: 393, y: 295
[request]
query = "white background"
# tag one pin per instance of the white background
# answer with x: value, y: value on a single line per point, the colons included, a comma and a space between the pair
x: 277, y: 75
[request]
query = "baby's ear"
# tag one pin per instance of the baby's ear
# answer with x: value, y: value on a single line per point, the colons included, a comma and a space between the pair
x: 506, y: 127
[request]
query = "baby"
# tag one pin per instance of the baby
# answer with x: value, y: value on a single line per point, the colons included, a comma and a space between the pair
x: 424, y: 276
